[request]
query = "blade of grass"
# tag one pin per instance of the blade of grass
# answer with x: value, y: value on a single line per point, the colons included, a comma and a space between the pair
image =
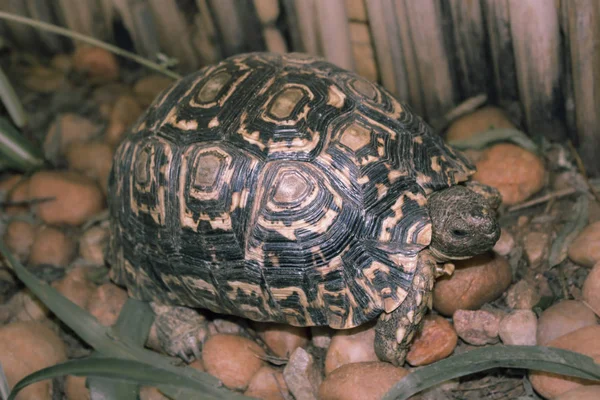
x: 539, y: 358
x: 87, y: 39
x: 108, y: 389
x: 15, y: 150
x: 11, y: 101
x: 578, y: 219
x: 134, y: 321
x: 4, y: 388
x: 492, y: 136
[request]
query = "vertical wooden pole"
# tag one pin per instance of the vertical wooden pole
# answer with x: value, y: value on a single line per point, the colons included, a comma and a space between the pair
x: 334, y: 32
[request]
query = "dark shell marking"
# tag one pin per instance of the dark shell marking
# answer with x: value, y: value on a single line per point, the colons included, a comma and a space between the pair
x: 277, y: 188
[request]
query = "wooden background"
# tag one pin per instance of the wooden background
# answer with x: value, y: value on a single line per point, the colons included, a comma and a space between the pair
x: 539, y: 59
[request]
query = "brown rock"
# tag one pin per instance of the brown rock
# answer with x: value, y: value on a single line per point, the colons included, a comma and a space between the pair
x: 356, y: 10
x: 75, y: 388
x: 585, y: 341
x: 581, y: 393
x: 7, y: 183
x: 514, y: 171
x: 93, y: 244
x: 562, y: 318
x: 149, y: 87
x: 321, y: 336
x: 232, y: 359
x: 267, y: 10
x: 585, y: 249
x: 351, y: 346
x: 52, y: 246
x: 106, y: 303
x: 591, y: 289
x: 282, y: 339
x: 361, y: 381
x: 76, y: 197
x: 19, y: 237
x: 62, y: 62
x: 76, y: 287
x: 268, y: 384
x: 106, y: 96
x: 475, y: 282
x: 43, y: 79
x: 93, y: 159
x: 67, y: 129
x: 18, y: 193
x: 125, y: 112
x: 479, y: 121
x: 230, y: 326
x: 519, y: 328
x: 436, y: 340
x: 505, y: 244
x: 536, y: 246
x: 479, y: 327
x: 26, y: 347
x: 151, y: 393
x: 522, y: 296
x: 98, y: 64
x: 302, y: 375
x: 198, y: 364
x: 26, y: 307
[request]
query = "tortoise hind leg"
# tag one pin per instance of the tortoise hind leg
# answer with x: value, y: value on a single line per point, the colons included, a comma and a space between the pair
x: 394, y: 331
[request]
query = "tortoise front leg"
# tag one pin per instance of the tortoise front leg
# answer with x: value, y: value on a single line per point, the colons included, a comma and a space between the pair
x: 395, y: 331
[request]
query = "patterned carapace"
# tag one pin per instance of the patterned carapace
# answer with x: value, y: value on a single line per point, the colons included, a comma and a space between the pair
x: 277, y: 188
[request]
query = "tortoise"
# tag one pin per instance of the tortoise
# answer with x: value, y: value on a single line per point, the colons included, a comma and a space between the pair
x: 282, y: 188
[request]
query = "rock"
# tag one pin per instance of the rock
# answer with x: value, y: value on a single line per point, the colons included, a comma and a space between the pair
x: 76, y: 197
x: 26, y: 347
x: 479, y: 327
x: 302, y: 376
x: 321, y: 336
x: 230, y: 325
x: 585, y: 249
x: 106, y: 303
x: 125, y: 112
x: 53, y: 247
x: 93, y: 244
x: 62, y: 62
x: 267, y: 11
x: 26, y: 307
x: 561, y: 318
x: 514, y: 171
x: 591, y: 289
x: 282, y: 339
x: 75, y: 388
x: 361, y: 381
x: 7, y: 183
x: 232, y: 359
x: 274, y: 40
x: 475, y: 282
x: 356, y: 10
x: 98, y: 64
x: 268, y: 384
x: 522, y: 296
x: 519, y: 328
x: 106, y: 96
x: 479, y: 121
x: 585, y: 341
x: 436, y: 340
x: 43, y: 79
x: 581, y: 393
x: 93, y: 159
x: 149, y: 87
x: 197, y: 364
x: 19, y: 237
x: 76, y: 287
x: 536, y: 246
x: 505, y: 244
x: 67, y: 128
x: 18, y: 193
x: 351, y: 346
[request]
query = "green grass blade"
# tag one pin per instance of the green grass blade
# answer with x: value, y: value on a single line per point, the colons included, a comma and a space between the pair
x: 107, y: 389
x: 4, y: 388
x: 134, y: 321
x: 526, y: 357
x: 492, y: 136
x: 16, y: 151
x: 11, y: 101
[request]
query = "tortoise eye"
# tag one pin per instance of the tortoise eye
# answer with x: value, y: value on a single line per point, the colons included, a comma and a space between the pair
x: 459, y: 233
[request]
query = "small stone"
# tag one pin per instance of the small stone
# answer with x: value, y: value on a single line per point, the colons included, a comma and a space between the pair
x: 19, y: 238
x: 43, y: 79
x: 26, y: 307
x: 302, y: 376
x: 198, y: 364
x: 351, y: 346
x: 106, y: 303
x: 230, y: 326
x: 232, y: 359
x: 522, y: 296
x: 475, y: 281
x: 267, y: 11
x: 536, y: 246
x: 76, y: 287
x: 76, y: 197
x: 585, y: 341
x: 436, y: 341
x: 98, y: 64
x: 505, y: 244
x: 93, y: 159
x: 67, y: 129
x: 562, y: 318
x: 53, y: 247
x: 361, y: 381
x: 519, y: 328
x: 514, y: 171
x: 479, y: 121
x: 479, y: 327
x: 585, y: 249
x: 124, y: 113
x: 93, y: 245
x: 106, y: 96
x: 75, y: 388
x: 268, y: 384
x: 282, y: 339
x: 591, y: 289
x: 149, y: 87
x: 581, y: 393
x: 26, y: 347
x: 321, y: 336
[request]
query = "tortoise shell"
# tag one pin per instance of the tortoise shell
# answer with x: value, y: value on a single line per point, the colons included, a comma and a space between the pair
x: 277, y: 188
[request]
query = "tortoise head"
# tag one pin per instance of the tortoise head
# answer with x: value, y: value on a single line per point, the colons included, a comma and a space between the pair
x: 463, y: 222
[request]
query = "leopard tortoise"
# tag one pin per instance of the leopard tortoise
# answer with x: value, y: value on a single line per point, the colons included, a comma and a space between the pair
x: 282, y: 188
